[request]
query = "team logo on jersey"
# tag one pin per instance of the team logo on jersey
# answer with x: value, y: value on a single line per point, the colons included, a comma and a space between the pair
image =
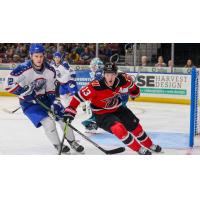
x: 39, y: 84
x: 123, y: 90
x: 58, y: 74
x: 112, y: 102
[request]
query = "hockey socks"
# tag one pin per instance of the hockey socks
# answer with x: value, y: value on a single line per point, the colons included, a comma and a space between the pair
x: 127, y: 138
x: 145, y: 140
x: 142, y: 137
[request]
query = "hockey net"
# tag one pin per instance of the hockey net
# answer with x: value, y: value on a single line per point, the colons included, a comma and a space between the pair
x: 195, y: 105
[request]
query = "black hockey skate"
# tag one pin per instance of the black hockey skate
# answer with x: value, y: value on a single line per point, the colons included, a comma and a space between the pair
x: 76, y: 146
x: 144, y: 151
x: 155, y: 148
x: 65, y: 148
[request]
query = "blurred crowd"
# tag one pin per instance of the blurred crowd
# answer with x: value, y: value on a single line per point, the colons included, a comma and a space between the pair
x: 74, y: 53
x: 77, y: 53
x: 13, y: 53
x: 160, y: 62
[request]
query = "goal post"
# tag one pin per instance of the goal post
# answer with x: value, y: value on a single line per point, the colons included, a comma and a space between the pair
x: 194, y: 106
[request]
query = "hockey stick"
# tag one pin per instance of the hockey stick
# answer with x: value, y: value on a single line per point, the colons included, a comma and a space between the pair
x: 64, y: 135
x: 112, y: 151
x: 55, y: 116
x: 11, y: 112
x: 137, y: 75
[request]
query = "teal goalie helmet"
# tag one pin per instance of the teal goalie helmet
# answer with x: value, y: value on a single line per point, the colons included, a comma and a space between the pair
x: 96, y: 63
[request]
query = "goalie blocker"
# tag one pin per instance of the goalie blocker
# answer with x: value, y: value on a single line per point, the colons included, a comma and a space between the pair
x: 110, y: 115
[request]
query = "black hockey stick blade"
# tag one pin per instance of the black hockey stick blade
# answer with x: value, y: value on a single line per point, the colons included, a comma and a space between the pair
x: 114, y: 151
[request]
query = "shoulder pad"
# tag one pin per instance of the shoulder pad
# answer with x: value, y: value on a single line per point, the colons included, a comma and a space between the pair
x: 21, y: 68
x: 65, y: 65
x: 48, y: 66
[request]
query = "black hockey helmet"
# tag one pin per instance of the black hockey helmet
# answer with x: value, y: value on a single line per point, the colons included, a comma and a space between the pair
x: 110, y: 68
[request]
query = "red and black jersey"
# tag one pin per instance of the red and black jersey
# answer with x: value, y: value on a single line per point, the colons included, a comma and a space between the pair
x: 105, y: 99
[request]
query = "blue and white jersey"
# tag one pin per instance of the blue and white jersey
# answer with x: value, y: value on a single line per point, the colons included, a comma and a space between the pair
x: 64, y: 72
x: 28, y: 83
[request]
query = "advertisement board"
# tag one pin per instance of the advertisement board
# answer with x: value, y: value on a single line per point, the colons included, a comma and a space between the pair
x: 156, y: 87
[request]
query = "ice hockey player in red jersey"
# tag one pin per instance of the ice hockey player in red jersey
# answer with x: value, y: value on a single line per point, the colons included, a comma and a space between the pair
x: 110, y: 115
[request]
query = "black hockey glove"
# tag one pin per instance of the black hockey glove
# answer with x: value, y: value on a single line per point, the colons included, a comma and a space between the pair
x: 69, y: 114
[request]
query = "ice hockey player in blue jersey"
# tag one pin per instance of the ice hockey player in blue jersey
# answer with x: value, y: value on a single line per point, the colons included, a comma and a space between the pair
x: 34, y: 80
x: 65, y: 75
x: 96, y: 67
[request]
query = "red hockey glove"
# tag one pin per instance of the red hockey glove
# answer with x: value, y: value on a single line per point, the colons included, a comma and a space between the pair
x: 69, y: 114
x: 135, y: 92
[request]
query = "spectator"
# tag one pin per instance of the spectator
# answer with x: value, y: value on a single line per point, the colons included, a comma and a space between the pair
x: 79, y: 49
x: 114, y: 47
x: 18, y: 52
x: 104, y: 52
x: 22, y: 51
x: 73, y: 57
x: 86, y: 56
x: 61, y: 49
x: 9, y: 53
x: 1, y: 60
x: 170, y: 64
x: 108, y: 51
x: 16, y: 59
x: 160, y: 62
x: 144, y: 61
x: 189, y: 64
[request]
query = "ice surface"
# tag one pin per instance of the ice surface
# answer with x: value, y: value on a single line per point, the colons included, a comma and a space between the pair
x: 166, y: 123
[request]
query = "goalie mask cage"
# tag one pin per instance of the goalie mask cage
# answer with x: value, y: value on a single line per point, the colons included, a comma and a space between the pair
x: 194, y: 106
